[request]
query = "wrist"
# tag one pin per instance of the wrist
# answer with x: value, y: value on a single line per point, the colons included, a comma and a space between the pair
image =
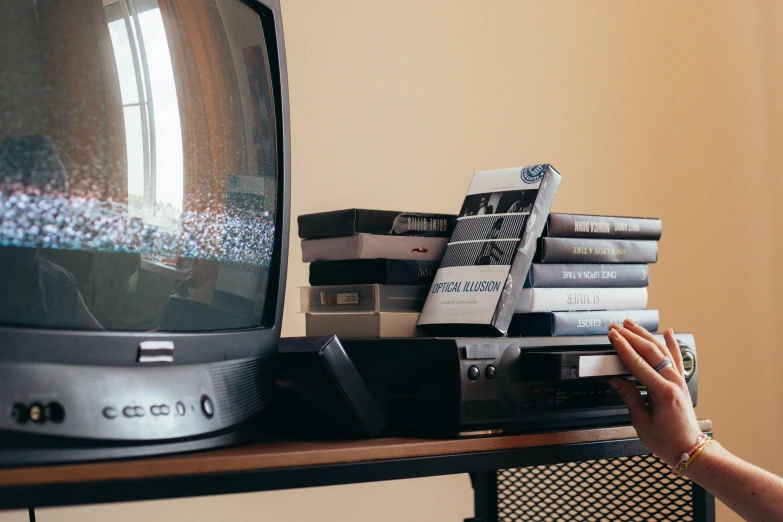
x: 686, y: 459
x: 687, y: 445
x: 705, y: 461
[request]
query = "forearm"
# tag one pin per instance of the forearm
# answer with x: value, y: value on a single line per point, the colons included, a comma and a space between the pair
x: 667, y: 425
x: 751, y: 492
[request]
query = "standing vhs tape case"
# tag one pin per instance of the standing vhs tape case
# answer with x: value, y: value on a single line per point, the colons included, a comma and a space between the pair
x: 488, y: 257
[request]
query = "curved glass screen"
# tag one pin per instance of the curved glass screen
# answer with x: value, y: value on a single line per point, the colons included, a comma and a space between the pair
x: 138, y: 167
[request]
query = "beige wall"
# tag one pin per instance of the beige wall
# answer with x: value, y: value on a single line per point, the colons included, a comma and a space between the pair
x: 660, y: 108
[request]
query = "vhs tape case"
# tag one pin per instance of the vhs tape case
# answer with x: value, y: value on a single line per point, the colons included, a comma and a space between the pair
x: 483, y: 270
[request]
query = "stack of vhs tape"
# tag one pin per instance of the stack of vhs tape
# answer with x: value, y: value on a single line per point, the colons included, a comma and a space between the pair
x: 370, y: 270
x: 588, y: 272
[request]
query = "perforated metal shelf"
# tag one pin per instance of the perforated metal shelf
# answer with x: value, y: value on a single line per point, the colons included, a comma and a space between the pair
x: 637, y: 488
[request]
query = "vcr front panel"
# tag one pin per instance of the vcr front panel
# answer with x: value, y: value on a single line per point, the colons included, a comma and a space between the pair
x: 474, y: 386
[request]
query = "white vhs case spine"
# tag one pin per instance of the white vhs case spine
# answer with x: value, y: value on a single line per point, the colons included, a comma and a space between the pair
x: 372, y: 246
x: 478, y: 284
x: 369, y: 325
x: 581, y: 299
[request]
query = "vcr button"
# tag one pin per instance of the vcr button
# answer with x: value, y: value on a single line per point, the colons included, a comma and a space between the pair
x: 19, y: 413
x: 491, y: 372
x: 36, y: 413
x: 54, y: 412
x: 474, y: 373
x: 688, y: 363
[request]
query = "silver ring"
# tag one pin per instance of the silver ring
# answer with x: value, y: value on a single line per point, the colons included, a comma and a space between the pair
x: 666, y: 362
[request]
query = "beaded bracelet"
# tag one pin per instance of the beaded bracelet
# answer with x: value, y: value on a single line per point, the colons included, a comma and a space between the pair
x: 685, y: 460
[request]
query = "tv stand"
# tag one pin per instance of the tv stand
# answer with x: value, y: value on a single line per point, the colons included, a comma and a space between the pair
x: 593, y: 472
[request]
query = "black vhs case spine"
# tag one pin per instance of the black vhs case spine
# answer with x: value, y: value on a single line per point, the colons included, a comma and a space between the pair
x: 385, y: 222
x: 373, y: 271
x: 558, y: 324
x: 606, y: 227
x: 327, y: 224
x: 566, y: 275
x: 577, y: 250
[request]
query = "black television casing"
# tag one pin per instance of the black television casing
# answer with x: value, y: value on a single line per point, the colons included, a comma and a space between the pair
x: 114, y: 405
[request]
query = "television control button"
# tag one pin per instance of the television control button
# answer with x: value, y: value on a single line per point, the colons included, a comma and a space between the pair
x: 474, y: 373
x: 160, y: 409
x: 54, y: 412
x: 491, y: 372
x: 207, y: 407
x: 133, y: 411
x: 19, y: 413
x: 180, y: 409
x: 36, y: 413
x: 109, y: 412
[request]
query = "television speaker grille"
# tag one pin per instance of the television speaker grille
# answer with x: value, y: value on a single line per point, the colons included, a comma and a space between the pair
x: 239, y: 388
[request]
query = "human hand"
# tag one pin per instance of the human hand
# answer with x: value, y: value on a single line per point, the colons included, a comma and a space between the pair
x: 667, y: 425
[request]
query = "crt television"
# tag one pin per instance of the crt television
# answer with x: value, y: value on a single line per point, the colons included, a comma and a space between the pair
x: 144, y: 216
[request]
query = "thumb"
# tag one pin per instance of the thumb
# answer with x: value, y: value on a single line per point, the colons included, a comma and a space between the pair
x: 632, y: 398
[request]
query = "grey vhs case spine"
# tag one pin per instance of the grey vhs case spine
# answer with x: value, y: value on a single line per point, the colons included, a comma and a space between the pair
x: 559, y: 324
x: 577, y: 250
x: 566, y: 275
x: 605, y: 227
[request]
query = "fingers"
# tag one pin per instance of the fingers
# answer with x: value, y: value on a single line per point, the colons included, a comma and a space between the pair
x: 636, y: 364
x: 674, y: 348
x: 649, y: 350
x: 643, y: 333
x: 632, y: 398
x: 671, y: 349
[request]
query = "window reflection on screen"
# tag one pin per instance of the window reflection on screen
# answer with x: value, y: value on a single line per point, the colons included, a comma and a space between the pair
x: 149, y: 99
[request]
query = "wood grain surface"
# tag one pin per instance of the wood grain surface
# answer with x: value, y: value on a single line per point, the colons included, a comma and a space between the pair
x: 271, y: 454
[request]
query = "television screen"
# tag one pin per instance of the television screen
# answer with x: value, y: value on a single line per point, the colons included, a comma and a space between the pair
x: 138, y: 166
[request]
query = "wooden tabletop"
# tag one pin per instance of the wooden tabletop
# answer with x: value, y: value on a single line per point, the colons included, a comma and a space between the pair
x: 278, y: 454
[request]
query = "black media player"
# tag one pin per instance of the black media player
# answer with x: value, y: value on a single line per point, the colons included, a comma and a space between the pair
x: 479, y: 386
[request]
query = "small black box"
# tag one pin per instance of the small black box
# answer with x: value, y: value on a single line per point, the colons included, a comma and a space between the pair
x: 320, y: 391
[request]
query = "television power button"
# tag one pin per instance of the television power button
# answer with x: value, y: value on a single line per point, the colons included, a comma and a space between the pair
x: 207, y: 407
